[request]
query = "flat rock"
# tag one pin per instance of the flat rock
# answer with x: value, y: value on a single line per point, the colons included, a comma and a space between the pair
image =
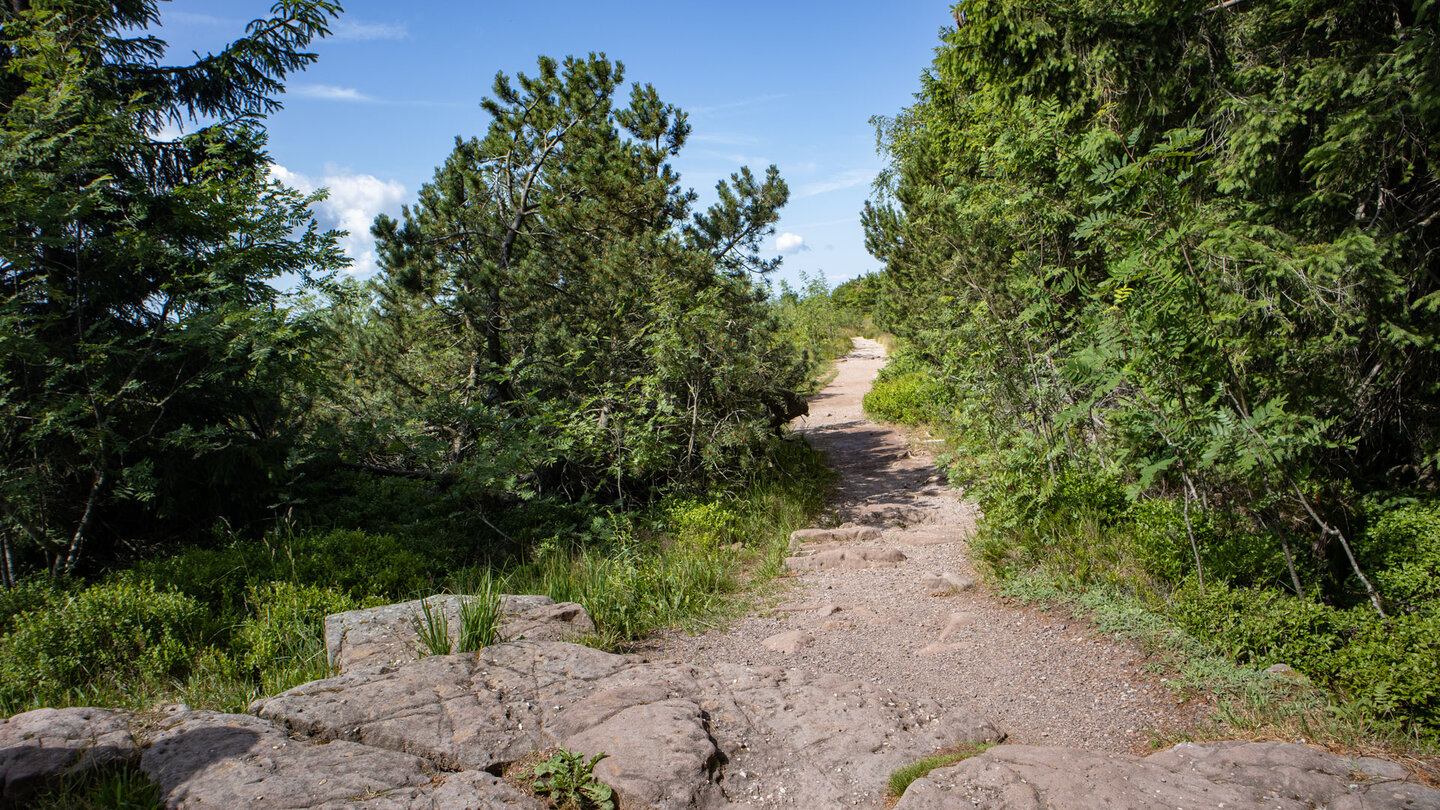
x: 955, y: 625
x: 846, y: 558
x: 671, y: 732
x: 41, y: 746
x: 1274, y: 776
x: 788, y: 642
x: 209, y: 760
x: 843, y: 534
x: 946, y: 584
x: 386, y: 634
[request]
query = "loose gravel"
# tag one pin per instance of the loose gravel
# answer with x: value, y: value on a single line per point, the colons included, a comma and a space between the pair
x: 1042, y: 677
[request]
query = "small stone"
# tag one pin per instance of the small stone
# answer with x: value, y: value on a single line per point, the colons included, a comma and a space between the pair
x: 788, y: 642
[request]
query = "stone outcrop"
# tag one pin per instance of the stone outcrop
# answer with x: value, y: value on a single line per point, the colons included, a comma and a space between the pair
x: 436, y: 733
x: 675, y: 736
x: 1281, y: 776
x: 45, y: 744
x: 386, y: 635
x: 208, y: 760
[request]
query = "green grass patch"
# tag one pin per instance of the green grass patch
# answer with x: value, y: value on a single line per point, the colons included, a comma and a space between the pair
x: 900, y: 780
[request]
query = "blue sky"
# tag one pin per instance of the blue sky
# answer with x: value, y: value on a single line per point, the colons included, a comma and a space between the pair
x: 789, y: 83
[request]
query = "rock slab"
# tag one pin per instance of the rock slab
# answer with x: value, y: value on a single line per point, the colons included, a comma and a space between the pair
x: 386, y: 635
x: 42, y: 745
x: 1239, y: 775
x: 208, y: 760
x: 674, y: 735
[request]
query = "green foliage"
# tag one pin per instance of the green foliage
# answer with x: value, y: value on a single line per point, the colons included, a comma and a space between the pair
x: 812, y: 320
x: 283, y: 639
x: 909, y: 399
x: 1141, y: 251
x: 480, y: 614
x: 902, y: 777
x: 432, y: 630
x: 1385, y: 667
x: 568, y: 780
x: 112, y: 787
x: 146, y: 361
x: 121, y: 630
x: 562, y: 325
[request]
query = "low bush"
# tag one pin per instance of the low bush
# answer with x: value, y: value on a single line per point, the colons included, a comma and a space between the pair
x: 283, y: 639
x: 119, y: 630
x: 908, y: 399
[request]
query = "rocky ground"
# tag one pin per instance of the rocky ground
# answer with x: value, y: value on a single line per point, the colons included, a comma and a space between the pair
x: 882, y: 652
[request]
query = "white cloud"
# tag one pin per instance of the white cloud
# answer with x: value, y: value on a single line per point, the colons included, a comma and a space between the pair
x: 848, y: 179
x: 354, y: 30
x: 328, y: 92
x: 710, y: 109
x: 790, y: 243
x: 354, y: 202
x: 725, y: 139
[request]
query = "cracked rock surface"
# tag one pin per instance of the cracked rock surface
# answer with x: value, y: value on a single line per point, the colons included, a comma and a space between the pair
x: 674, y: 735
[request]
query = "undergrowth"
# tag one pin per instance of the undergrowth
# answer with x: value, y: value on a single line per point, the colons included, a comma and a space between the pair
x: 219, y: 627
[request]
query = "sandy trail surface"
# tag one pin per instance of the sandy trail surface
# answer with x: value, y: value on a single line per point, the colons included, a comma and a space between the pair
x: 1042, y: 677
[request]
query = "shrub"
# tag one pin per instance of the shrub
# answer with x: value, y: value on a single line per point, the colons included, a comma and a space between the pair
x: 909, y: 399
x: 359, y: 563
x: 127, y: 630
x: 284, y: 640
x: 1388, y: 668
x: 1402, y: 548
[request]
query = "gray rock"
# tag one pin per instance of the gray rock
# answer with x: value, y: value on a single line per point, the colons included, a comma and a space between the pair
x: 946, y: 584
x: 386, y: 635
x: 1235, y: 775
x: 788, y: 642
x: 670, y: 732
x: 846, y: 558
x: 41, y: 746
x: 844, y: 534
x: 208, y: 760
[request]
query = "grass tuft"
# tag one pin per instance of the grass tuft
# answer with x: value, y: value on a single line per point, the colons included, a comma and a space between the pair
x: 902, y: 777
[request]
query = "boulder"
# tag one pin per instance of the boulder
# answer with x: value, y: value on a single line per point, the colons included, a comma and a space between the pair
x: 1234, y: 775
x: 41, y: 746
x: 386, y: 634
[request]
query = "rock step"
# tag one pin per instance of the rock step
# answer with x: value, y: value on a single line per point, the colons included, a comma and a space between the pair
x: 855, y: 557
x: 674, y: 734
x: 844, y: 534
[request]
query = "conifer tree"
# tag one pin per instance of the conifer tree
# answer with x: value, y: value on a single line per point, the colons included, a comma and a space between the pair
x: 143, y: 352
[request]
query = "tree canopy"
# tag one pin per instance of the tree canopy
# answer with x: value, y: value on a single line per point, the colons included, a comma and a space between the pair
x: 1191, y: 245
x: 145, y: 355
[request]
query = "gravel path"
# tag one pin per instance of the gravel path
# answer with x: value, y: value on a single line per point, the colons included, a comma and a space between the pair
x: 1043, y: 678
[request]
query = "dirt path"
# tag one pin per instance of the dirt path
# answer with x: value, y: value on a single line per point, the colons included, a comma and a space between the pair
x: 1042, y: 678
